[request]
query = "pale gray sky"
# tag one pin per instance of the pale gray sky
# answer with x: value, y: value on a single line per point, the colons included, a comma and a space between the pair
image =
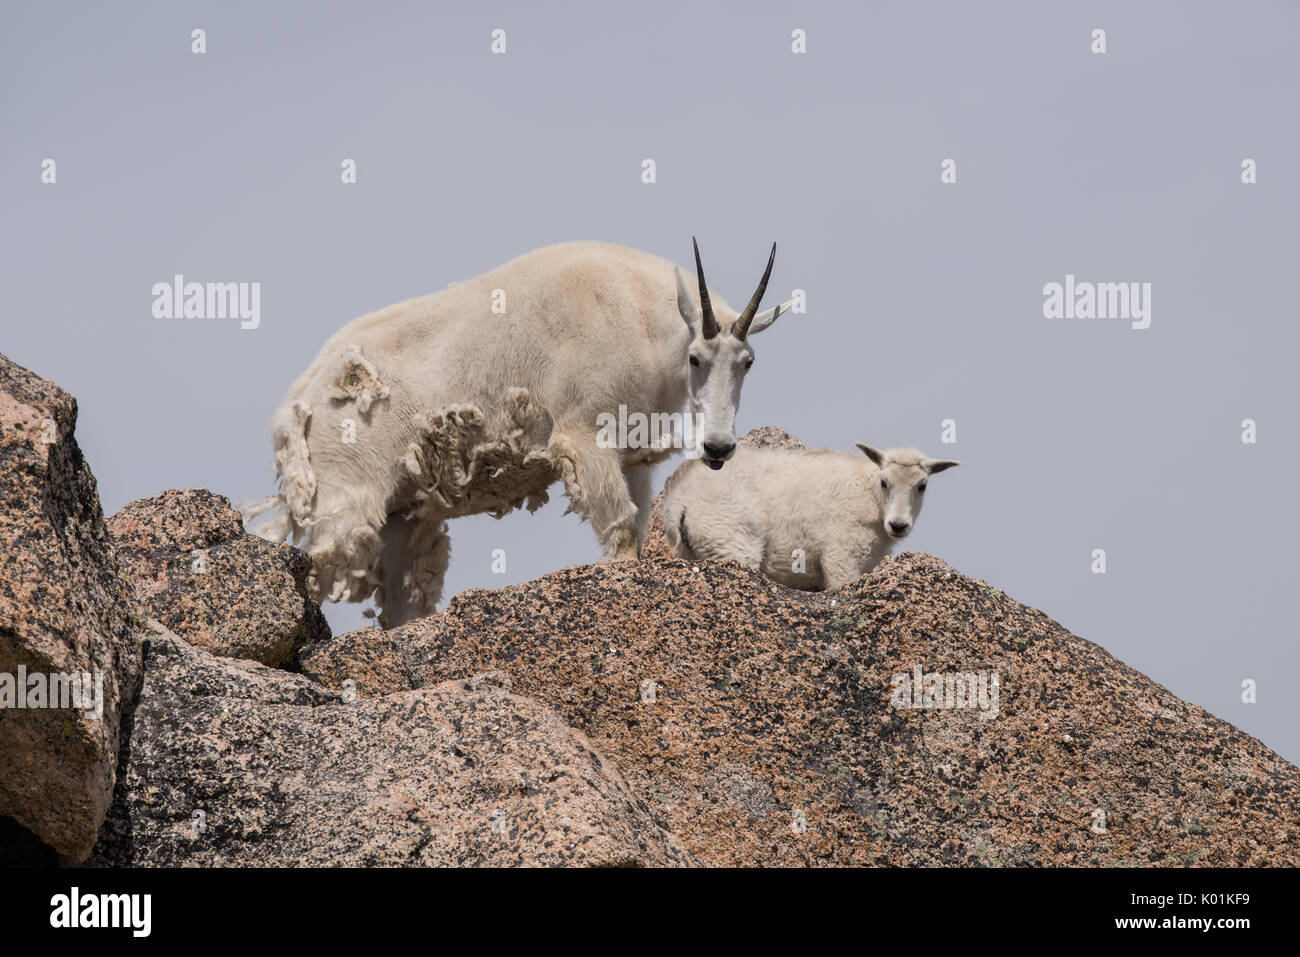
x: 925, y: 300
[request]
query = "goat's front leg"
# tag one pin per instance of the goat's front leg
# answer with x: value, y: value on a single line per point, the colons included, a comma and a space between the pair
x: 597, y: 489
x: 841, y: 564
x: 642, y: 492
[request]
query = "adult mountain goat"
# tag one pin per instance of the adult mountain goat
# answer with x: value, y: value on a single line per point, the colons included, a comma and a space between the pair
x: 810, y: 519
x: 479, y: 397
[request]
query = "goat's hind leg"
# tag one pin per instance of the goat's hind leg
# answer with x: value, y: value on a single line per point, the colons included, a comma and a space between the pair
x: 344, y: 545
x: 413, y: 568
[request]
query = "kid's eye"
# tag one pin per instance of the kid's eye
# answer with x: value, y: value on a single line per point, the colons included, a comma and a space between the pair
x: 921, y: 487
x: 884, y: 484
x: 749, y: 363
x: 695, y: 361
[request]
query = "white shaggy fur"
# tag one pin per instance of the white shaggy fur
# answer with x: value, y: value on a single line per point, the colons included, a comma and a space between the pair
x: 810, y: 519
x: 440, y: 407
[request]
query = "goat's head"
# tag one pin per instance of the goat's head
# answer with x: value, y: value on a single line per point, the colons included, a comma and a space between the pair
x: 718, y: 358
x: 900, y: 477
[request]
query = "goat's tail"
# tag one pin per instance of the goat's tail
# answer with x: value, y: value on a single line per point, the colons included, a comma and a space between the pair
x: 290, y: 511
x: 278, y: 524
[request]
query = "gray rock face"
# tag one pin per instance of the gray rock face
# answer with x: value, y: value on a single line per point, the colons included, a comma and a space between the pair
x: 770, y: 437
x: 230, y: 763
x: 377, y: 661
x: 64, y: 609
x: 199, y: 574
x: 916, y: 717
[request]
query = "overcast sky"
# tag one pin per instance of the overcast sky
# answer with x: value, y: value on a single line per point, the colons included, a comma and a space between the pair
x: 925, y: 299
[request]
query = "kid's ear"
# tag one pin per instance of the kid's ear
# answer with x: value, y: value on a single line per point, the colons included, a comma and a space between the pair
x: 874, y: 454
x: 938, y: 465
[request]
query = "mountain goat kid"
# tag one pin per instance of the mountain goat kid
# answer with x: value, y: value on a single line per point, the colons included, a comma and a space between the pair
x: 478, y: 397
x: 810, y: 519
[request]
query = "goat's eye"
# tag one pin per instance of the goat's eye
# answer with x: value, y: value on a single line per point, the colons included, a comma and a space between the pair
x: 921, y: 487
x: 695, y: 360
x: 749, y: 363
x: 884, y: 484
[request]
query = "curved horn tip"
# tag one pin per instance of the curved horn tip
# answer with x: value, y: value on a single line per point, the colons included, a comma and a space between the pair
x: 740, y: 328
x: 708, y: 322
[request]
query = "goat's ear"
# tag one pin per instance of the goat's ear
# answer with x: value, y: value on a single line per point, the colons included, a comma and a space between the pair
x: 769, y: 316
x: 938, y: 465
x: 874, y: 454
x: 685, y: 304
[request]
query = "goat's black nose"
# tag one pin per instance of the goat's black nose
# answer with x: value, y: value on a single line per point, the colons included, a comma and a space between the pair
x: 718, y: 452
x: 898, y: 528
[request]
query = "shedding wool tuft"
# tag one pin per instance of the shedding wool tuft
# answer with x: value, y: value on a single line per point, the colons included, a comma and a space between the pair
x: 461, y: 469
x: 359, y: 381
